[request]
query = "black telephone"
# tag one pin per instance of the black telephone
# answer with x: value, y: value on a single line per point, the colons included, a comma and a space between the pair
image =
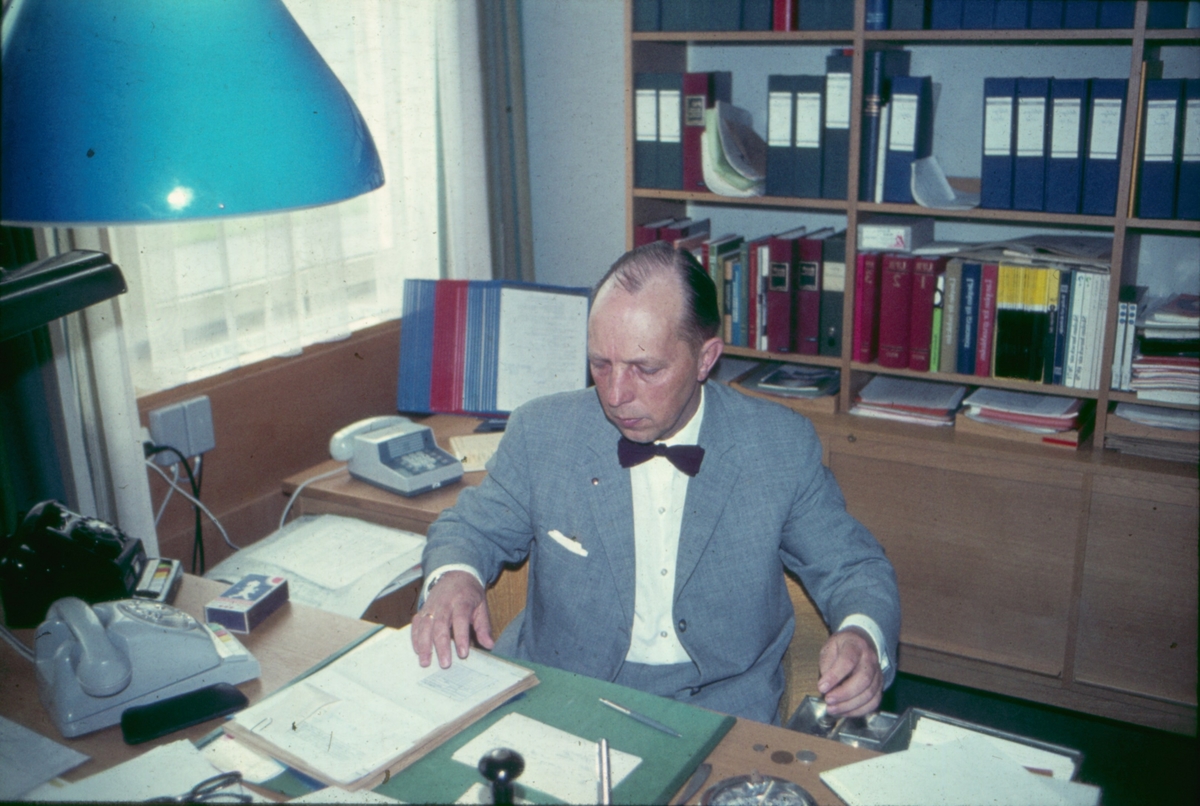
x: 55, y: 552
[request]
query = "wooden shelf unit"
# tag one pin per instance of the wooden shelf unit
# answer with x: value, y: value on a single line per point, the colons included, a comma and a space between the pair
x: 1096, y: 550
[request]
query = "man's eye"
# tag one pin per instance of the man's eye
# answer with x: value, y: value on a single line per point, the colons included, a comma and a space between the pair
x: 649, y: 370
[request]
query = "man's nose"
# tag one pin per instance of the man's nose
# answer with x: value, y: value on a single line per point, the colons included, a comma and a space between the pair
x: 620, y: 388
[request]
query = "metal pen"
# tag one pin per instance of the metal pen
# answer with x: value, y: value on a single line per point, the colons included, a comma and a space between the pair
x: 645, y: 720
x: 605, y: 773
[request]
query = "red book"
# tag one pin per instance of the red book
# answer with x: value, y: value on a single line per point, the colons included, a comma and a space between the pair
x: 701, y: 91
x: 987, y: 319
x: 786, y: 15
x: 681, y: 229
x: 781, y: 287
x: 807, y: 321
x: 895, y: 310
x: 449, y: 346
x: 648, y: 232
x: 866, y: 306
x: 920, y: 329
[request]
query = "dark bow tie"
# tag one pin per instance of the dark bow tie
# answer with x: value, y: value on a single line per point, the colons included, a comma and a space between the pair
x: 685, y: 457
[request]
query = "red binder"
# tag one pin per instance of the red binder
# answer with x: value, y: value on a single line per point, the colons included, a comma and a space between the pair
x: 807, y: 321
x: 701, y: 91
x: 895, y: 310
x: 781, y: 288
x: 866, y: 306
x: 925, y: 273
x: 449, y: 346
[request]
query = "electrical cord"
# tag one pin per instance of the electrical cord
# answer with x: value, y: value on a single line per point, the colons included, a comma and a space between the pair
x: 16, y: 643
x: 170, y: 492
x: 305, y: 483
x: 197, y: 503
x: 198, y: 541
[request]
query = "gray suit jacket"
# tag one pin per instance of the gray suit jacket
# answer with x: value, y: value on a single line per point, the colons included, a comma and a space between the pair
x: 762, y: 500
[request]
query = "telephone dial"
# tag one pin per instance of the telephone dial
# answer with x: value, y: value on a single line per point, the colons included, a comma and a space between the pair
x: 94, y: 662
x: 396, y: 454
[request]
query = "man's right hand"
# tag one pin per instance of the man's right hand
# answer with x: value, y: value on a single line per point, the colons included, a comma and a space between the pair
x: 456, y: 603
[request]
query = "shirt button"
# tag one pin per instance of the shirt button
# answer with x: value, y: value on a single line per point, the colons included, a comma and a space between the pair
x: 663, y: 572
x: 663, y: 634
x: 683, y: 625
x: 662, y: 510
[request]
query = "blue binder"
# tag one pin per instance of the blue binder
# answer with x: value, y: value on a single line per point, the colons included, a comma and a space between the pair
x: 1080, y: 13
x: 1166, y: 14
x: 808, y: 126
x: 647, y: 15
x: 416, y: 346
x: 1115, y: 14
x: 1068, y: 139
x: 1011, y: 14
x: 781, y: 132
x: 835, y: 144
x: 978, y: 15
x: 1158, y: 173
x: 670, y: 131
x: 1187, y: 204
x: 1029, y: 164
x: 1045, y: 14
x: 999, y: 102
x: 968, y: 317
x: 756, y: 15
x: 910, y: 137
x: 945, y: 14
x: 645, y: 128
x: 1102, y: 164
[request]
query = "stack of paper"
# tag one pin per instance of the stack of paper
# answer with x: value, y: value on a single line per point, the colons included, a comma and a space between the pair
x: 1167, y: 366
x: 333, y: 563
x: 1025, y: 417
x: 373, y: 711
x: 969, y: 769
x: 909, y: 401
x: 1159, y: 433
x: 793, y: 380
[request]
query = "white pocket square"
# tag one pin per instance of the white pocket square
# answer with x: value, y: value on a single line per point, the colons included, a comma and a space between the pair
x: 570, y: 544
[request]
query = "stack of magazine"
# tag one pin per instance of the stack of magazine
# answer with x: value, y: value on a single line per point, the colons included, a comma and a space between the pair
x: 909, y: 401
x: 800, y: 387
x: 1061, y: 422
x: 1160, y: 433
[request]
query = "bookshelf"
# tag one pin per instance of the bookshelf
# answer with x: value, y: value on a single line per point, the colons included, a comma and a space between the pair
x: 1027, y: 570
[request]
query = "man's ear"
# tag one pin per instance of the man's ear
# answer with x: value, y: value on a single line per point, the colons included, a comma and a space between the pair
x: 710, y: 351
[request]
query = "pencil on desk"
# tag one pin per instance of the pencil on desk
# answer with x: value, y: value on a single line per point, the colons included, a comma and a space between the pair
x: 645, y: 720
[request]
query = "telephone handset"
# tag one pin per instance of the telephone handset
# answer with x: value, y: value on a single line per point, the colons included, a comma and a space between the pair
x: 93, y: 662
x: 396, y: 454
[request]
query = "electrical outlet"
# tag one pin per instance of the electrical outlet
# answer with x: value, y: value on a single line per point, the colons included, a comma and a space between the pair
x: 185, y: 426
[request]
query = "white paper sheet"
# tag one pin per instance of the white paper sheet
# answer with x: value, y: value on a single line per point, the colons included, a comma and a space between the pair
x: 930, y: 188
x: 331, y: 562
x: 28, y: 759
x: 227, y: 754
x: 543, y: 345
x: 934, y: 731
x: 556, y: 762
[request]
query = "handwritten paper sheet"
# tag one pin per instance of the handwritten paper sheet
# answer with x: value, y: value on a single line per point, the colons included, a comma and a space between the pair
x: 543, y: 345
x: 556, y: 762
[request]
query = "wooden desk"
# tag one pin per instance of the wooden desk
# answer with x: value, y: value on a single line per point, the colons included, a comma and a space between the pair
x: 286, y: 644
x: 296, y: 637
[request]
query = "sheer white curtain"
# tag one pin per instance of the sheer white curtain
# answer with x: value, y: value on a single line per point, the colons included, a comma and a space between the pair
x: 210, y: 296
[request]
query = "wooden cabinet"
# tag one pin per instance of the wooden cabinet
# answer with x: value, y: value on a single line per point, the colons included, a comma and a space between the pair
x: 1068, y: 578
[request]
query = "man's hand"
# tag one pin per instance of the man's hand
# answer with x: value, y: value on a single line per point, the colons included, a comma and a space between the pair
x: 456, y: 604
x: 851, y: 680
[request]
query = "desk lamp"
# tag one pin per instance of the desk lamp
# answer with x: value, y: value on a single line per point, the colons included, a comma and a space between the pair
x: 140, y: 111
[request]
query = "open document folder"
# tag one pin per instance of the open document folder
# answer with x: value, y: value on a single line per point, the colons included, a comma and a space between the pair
x: 373, y: 711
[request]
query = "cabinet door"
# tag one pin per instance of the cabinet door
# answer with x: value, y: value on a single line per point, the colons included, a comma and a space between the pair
x: 1137, y: 614
x: 984, y: 559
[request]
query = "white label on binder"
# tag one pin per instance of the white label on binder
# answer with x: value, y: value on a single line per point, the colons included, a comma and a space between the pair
x: 997, y: 127
x: 670, y: 116
x: 779, y: 119
x: 1031, y: 127
x: 1106, y: 128
x: 837, y: 101
x: 1191, y: 131
x: 645, y: 115
x: 808, y: 120
x: 1160, y: 131
x: 903, y: 136
x: 1064, y: 139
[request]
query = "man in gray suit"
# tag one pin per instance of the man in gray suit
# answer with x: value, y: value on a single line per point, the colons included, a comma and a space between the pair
x: 658, y: 513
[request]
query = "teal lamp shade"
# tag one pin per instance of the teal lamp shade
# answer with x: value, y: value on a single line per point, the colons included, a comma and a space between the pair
x: 134, y: 111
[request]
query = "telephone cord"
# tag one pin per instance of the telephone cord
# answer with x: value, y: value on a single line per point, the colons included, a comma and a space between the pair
x: 303, y: 484
x: 196, y: 502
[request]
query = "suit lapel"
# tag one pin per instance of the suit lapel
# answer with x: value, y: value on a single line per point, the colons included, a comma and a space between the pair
x: 612, y: 509
x: 708, y: 490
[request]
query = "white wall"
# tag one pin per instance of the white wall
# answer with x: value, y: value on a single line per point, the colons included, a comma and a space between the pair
x: 574, y: 87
